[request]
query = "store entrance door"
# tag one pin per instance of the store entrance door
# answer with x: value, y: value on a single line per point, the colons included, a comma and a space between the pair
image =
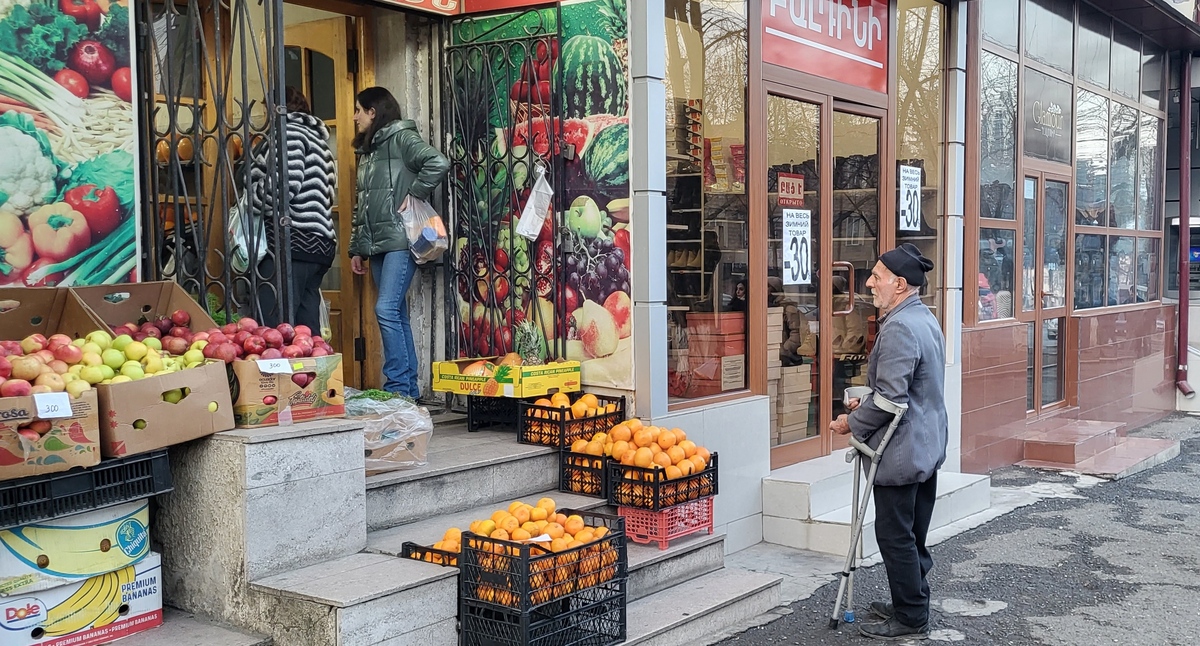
x: 1044, y: 287
x: 823, y: 201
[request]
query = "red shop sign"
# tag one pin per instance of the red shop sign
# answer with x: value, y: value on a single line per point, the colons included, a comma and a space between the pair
x: 791, y: 191
x: 841, y: 40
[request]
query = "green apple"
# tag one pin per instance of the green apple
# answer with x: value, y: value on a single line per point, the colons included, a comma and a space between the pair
x: 121, y: 342
x: 74, y: 370
x: 77, y: 388
x: 92, y: 359
x: 113, y: 358
x: 139, y: 424
x: 91, y: 347
x: 92, y: 374
x: 101, y: 338
x: 153, y: 364
x: 121, y: 379
x: 69, y: 376
x: 108, y: 371
x: 194, y: 356
x: 135, y: 350
x: 133, y: 370
x: 173, y: 396
x: 80, y: 342
x: 198, y: 345
x: 153, y: 343
x: 212, y: 407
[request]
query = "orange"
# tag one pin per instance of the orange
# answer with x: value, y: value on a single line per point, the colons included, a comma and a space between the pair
x: 634, y: 424
x: 578, y: 446
x: 655, y: 432
x: 594, y: 448
x: 558, y: 544
x: 538, y: 513
x: 512, y: 506
x: 560, y: 400
x: 542, y: 402
x: 499, y: 535
x: 676, y: 454
x: 585, y: 536
x: 522, y: 514
x: 642, y: 438
x: 590, y: 400
x: 600, y: 437
x: 554, y: 530
x: 541, y: 526
x: 452, y: 534
x: 698, y: 463
x: 510, y: 524
x: 573, y: 544
x: 619, y: 448
x: 679, y: 434
x: 621, y: 433
x: 643, y: 457
x: 579, y: 410
x: 530, y: 527
x: 522, y: 535
x: 655, y: 448
x: 666, y: 439
x: 486, y: 527
x: 626, y: 458
x: 673, y: 472
x: 703, y: 453
x: 547, y: 504
x: 574, y: 525
x: 688, y: 446
x: 686, y: 467
x: 601, y: 532
x: 499, y: 515
x: 662, y: 460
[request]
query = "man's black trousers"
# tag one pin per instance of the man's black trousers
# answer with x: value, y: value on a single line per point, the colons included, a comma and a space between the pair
x: 902, y: 517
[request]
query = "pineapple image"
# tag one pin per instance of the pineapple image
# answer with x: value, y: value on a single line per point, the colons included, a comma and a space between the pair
x: 491, y: 388
x: 616, y: 24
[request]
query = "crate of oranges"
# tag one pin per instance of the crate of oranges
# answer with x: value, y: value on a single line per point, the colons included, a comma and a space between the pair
x: 438, y: 554
x: 563, y: 418
x: 583, y: 469
x: 658, y: 468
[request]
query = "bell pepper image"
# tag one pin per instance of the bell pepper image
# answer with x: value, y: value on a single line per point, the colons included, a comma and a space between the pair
x: 59, y: 231
x: 85, y: 12
x: 16, y: 248
x: 100, y: 207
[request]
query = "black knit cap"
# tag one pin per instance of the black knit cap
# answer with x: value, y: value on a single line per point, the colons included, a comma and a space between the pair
x: 907, y: 262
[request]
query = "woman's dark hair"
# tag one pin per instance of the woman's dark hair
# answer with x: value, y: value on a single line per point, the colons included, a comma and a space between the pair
x: 296, y: 101
x: 386, y: 108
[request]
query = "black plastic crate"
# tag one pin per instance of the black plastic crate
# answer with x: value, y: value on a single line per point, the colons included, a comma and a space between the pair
x: 521, y: 577
x: 583, y: 474
x: 548, y: 426
x: 648, y: 488
x: 112, y: 482
x: 593, y: 616
x: 410, y: 550
x: 494, y: 413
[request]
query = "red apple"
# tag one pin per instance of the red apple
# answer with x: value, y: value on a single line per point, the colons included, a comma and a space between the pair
x: 175, y: 345
x: 33, y: 343
x: 247, y: 323
x: 229, y: 329
x: 15, y: 388
x: 292, y: 352
x: 163, y: 324
x: 272, y: 353
x: 57, y: 340
x: 273, y: 338
x: 199, y: 336
x: 27, y: 433
x: 287, y: 331
x: 241, y: 336
x: 319, y: 352
x: 69, y: 354
x: 305, y: 344
x: 139, y: 336
x: 255, y: 344
x: 301, y: 379
x: 209, y: 351
x: 216, y: 338
x: 303, y: 329
x: 225, y: 352
x: 5, y: 368
x: 152, y: 331
x: 181, y: 318
x: 180, y: 332
x: 45, y: 356
x: 260, y: 330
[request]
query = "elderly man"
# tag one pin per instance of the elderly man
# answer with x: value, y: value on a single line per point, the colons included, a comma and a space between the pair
x: 907, y: 366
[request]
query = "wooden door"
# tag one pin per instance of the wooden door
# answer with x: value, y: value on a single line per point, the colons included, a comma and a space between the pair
x: 317, y: 61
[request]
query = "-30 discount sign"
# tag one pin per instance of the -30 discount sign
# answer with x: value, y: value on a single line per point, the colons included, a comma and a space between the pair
x: 910, y: 198
x: 797, y: 247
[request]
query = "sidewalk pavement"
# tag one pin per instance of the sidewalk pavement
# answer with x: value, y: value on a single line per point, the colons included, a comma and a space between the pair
x: 1059, y: 559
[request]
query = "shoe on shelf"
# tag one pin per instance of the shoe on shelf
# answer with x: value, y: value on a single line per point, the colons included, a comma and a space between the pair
x: 671, y: 256
x: 882, y: 609
x: 893, y: 630
x: 695, y: 260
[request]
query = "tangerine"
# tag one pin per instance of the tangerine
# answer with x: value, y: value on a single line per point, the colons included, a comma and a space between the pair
x: 561, y: 519
x: 601, y: 532
x: 698, y: 463
x: 575, y: 543
x: 509, y: 524
x: 554, y: 530
x: 538, y: 513
x: 530, y: 527
x: 452, y: 534
x: 541, y: 526
x: 499, y: 535
x: 666, y: 439
x: 679, y: 434
x: 673, y: 472
x: 688, y: 446
x: 558, y: 544
x: 589, y: 400
x: 685, y: 465
x: 574, y: 525
x: 560, y: 400
x: 655, y: 432
x: 662, y: 460
x: 655, y: 448
x: 499, y: 515
x: 578, y: 446
x: 704, y: 454
x: 600, y: 437
x: 642, y: 438
x: 486, y: 527
x: 542, y: 402
x: 594, y: 448
x: 626, y: 458
x: 522, y: 535
x: 621, y: 433
x: 585, y: 536
x: 643, y: 457
x: 522, y: 514
x: 619, y: 448
x: 676, y: 454
x: 579, y: 410
x: 547, y: 504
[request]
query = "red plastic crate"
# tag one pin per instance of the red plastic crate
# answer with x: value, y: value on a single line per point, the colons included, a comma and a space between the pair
x: 642, y: 526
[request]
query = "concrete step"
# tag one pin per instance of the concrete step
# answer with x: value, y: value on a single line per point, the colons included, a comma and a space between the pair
x: 810, y: 488
x: 184, y: 629
x: 1069, y: 441
x: 959, y: 495
x: 465, y: 470
x: 1128, y: 456
x: 692, y: 611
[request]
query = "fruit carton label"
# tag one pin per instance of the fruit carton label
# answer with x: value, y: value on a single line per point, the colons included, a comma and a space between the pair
x: 87, y: 612
x: 506, y: 381
x: 313, y: 390
x: 67, y: 550
x: 61, y: 443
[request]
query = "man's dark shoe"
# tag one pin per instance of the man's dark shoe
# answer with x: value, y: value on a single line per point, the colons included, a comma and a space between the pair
x: 893, y: 630
x: 882, y: 609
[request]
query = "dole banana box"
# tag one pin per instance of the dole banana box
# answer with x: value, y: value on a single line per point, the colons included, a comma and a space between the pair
x: 274, y: 392
x: 98, y: 610
x: 68, y: 550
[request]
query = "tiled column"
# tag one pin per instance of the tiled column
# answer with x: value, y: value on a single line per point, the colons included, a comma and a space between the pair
x: 955, y: 295
x: 648, y: 212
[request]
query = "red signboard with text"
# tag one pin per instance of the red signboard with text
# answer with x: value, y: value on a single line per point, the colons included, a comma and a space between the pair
x: 841, y: 40
x: 791, y: 191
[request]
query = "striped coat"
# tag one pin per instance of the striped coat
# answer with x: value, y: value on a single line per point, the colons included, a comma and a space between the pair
x: 310, y: 176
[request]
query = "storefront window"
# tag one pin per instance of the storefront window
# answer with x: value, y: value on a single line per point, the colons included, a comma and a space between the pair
x: 996, y: 273
x: 1121, y: 254
x: 1152, y: 74
x: 1049, y: 107
x: 707, y: 204
x: 1049, y: 34
x: 1090, y: 268
x: 1091, y: 159
x: 1095, y: 39
x: 1126, y: 63
x: 1122, y: 165
x: 999, y: 20
x: 1150, y: 163
x: 1148, y: 275
x: 997, y: 137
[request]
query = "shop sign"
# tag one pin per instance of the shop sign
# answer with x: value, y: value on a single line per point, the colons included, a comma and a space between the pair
x: 910, y: 198
x: 1048, y: 117
x: 791, y: 190
x: 841, y: 40
x: 797, y: 247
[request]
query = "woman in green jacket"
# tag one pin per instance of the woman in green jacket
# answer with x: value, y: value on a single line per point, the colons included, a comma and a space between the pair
x: 394, y: 166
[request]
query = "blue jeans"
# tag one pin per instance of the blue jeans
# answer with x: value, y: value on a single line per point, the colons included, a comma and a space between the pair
x: 393, y: 273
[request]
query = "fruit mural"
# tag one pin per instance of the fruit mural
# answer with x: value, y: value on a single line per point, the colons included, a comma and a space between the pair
x: 543, y: 91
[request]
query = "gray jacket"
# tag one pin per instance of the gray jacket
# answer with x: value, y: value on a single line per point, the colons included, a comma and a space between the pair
x: 907, y: 366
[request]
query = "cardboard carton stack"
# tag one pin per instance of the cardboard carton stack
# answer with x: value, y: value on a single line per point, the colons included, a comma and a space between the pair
x: 795, y: 395
x: 774, y: 366
x: 716, y: 352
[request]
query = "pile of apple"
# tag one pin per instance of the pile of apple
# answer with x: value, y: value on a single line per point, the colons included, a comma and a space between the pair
x: 37, y: 364
x: 243, y: 340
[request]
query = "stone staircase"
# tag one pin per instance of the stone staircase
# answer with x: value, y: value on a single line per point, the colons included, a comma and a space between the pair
x: 807, y: 506
x: 1095, y: 448
x: 304, y: 582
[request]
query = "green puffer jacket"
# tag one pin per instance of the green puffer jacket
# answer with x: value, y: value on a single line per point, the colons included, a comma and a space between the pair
x: 398, y: 163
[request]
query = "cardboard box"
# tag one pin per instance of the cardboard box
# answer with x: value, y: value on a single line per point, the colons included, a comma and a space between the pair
x: 68, y: 550
x: 44, y: 310
x: 728, y: 323
x: 525, y: 381
x: 141, y: 302
x: 71, y: 442
x: 266, y: 398
x: 716, y: 345
x: 88, y: 612
x: 136, y: 419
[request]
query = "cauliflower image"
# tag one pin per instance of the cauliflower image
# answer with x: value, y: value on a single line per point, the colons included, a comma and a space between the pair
x: 6, y: 6
x: 27, y: 177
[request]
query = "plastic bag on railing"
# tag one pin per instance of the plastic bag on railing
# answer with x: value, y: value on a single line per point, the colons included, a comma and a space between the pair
x: 326, y: 327
x: 427, y: 238
x: 537, y: 207
x: 396, y: 432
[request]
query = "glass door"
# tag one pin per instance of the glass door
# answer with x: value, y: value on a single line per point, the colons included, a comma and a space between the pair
x: 1044, y: 288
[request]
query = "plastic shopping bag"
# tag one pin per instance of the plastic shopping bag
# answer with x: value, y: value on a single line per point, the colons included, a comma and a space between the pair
x: 246, y: 233
x: 396, y: 432
x: 427, y: 238
x: 537, y: 207
x: 326, y: 328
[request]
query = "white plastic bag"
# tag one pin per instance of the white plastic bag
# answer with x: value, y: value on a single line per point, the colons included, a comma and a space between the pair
x: 537, y: 207
x: 396, y: 433
x: 326, y: 328
x: 246, y: 232
x: 426, y: 233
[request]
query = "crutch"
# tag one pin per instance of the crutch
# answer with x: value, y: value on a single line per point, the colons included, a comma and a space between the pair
x: 858, y: 511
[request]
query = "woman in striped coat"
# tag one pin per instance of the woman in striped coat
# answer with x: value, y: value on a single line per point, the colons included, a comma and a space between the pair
x: 310, y: 177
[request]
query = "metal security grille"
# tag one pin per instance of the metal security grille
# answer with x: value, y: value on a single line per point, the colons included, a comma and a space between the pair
x: 211, y: 75
x: 502, y: 118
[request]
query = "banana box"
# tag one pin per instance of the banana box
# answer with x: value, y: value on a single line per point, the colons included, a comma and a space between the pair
x: 96, y: 611
x: 65, y: 551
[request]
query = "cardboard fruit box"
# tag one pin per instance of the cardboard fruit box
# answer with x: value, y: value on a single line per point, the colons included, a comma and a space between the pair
x: 135, y: 418
x: 71, y: 441
x: 141, y: 302
x: 274, y: 392
x: 68, y: 550
x: 99, y: 610
x: 461, y: 378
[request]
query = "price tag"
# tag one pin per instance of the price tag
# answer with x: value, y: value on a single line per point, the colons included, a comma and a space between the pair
x: 910, y: 198
x: 52, y: 405
x: 791, y: 190
x: 274, y: 366
x: 797, y: 247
